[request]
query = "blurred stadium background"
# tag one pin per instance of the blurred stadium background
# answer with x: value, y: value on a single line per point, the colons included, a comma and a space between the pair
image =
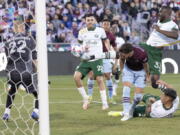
x: 132, y: 20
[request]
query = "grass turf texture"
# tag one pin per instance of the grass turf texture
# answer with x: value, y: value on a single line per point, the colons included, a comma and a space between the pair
x: 68, y: 118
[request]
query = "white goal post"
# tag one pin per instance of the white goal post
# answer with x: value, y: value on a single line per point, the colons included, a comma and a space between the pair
x: 42, y: 66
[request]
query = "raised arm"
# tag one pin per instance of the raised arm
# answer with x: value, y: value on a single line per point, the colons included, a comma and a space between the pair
x: 160, y: 82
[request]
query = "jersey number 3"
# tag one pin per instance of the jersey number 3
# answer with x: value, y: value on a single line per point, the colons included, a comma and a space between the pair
x: 14, y: 46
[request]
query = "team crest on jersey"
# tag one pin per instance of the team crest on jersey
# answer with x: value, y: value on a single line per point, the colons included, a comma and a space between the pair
x: 82, y: 31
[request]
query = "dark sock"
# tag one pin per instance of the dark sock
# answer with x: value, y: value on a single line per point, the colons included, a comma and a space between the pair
x: 36, y: 104
x: 10, y: 97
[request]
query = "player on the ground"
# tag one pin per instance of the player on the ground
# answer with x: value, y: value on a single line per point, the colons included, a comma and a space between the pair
x: 21, y: 67
x: 164, y: 33
x: 133, y: 62
x: 107, y: 63
x: 91, y: 38
x: 155, y: 106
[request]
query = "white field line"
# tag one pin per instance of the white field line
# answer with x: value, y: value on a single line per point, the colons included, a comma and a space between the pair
x: 57, y: 102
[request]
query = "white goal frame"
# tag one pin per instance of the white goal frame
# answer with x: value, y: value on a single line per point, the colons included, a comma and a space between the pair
x: 40, y: 15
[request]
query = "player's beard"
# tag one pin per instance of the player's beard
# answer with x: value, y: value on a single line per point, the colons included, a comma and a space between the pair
x: 90, y: 25
x: 162, y: 18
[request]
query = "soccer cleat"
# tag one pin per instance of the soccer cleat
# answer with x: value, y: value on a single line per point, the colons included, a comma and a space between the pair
x: 105, y: 107
x: 6, y: 116
x: 126, y: 117
x: 35, y: 116
x: 112, y: 101
x: 115, y: 113
x: 85, y: 104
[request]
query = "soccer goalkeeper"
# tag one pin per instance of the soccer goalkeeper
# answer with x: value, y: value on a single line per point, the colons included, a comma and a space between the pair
x: 21, y: 67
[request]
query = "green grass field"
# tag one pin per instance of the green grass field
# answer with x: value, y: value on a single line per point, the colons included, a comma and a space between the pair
x: 68, y: 118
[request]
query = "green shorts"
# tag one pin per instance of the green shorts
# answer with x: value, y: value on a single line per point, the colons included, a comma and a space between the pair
x: 85, y: 67
x: 140, y: 111
x: 146, y: 98
x: 154, y: 58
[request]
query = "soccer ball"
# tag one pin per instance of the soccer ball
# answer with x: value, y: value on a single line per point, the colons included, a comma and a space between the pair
x: 77, y: 50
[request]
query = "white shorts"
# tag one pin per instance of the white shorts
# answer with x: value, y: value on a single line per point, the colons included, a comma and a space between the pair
x: 135, y: 77
x: 107, y: 66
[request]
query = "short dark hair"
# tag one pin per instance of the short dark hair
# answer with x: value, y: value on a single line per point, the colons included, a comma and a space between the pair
x: 90, y: 15
x: 170, y: 93
x: 167, y: 8
x: 106, y: 20
x: 126, y: 48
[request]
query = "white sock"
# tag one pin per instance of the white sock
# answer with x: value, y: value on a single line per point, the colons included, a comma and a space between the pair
x: 83, y: 93
x: 115, y: 85
x: 36, y: 110
x: 103, y: 97
x: 7, y: 110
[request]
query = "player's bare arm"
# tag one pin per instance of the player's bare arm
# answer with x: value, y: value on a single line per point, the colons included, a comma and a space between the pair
x: 121, y: 62
x: 146, y: 68
x: 171, y: 34
x: 107, y: 44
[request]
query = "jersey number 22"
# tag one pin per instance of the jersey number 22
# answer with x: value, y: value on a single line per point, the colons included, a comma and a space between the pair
x: 15, y: 48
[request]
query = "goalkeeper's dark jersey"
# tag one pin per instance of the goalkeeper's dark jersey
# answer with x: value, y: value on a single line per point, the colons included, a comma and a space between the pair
x: 21, y: 52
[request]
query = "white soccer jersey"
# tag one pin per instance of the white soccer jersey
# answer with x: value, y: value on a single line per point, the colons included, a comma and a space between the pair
x: 158, y: 111
x: 92, y: 39
x: 158, y: 39
x: 119, y: 41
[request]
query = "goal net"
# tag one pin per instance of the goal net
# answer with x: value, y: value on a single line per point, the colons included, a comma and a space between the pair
x: 19, y: 90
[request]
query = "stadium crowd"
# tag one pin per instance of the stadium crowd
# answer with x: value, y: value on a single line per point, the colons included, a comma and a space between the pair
x: 132, y: 19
